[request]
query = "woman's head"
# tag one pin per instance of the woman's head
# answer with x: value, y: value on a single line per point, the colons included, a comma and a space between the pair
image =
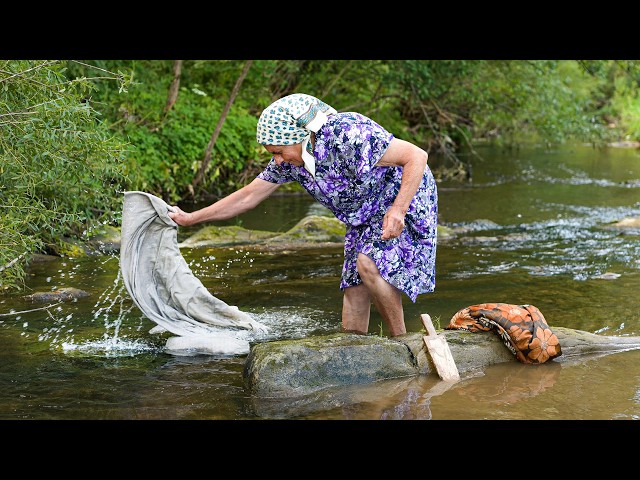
x: 290, y: 120
x: 291, y: 154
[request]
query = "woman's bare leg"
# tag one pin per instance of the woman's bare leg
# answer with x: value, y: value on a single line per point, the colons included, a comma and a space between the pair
x: 356, y: 308
x: 386, y: 298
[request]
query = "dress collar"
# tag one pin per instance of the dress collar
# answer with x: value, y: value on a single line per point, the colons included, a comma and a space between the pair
x: 307, y: 149
x: 307, y: 156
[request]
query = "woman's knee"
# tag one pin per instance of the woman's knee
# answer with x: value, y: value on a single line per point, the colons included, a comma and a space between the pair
x: 366, y: 267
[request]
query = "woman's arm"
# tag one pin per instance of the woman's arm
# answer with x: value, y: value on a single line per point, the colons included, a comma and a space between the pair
x: 234, y: 204
x: 413, y: 161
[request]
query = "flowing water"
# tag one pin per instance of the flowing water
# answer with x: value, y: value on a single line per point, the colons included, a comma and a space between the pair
x: 531, y: 227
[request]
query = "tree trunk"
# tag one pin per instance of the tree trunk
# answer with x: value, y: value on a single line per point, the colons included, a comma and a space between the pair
x: 207, y: 156
x: 175, y: 86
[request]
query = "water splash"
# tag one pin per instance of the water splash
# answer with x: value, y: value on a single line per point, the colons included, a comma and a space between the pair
x: 296, y: 322
x: 110, y: 348
x: 105, y: 304
x: 111, y: 307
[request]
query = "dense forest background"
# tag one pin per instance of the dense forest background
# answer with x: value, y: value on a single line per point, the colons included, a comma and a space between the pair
x: 75, y: 134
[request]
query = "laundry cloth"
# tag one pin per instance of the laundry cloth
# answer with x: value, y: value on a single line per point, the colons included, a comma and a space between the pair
x: 522, y: 328
x: 167, y: 292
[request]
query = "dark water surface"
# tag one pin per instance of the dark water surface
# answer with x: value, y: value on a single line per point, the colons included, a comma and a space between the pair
x: 532, y: 227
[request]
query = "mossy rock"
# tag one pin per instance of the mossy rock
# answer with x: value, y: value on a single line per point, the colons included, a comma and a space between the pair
x: 292, y: 368
x: 62, y: 294
x: 71, y: 248
x: 213, y: 236
x: 300, y: 366
x: 314, y: 228
x: 106, y: 239
x: 445, y: 232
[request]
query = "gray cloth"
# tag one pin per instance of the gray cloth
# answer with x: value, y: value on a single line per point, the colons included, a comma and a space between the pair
x: 163, y: 287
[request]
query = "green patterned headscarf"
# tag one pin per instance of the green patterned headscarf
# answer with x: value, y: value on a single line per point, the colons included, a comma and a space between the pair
x: 290, y: 120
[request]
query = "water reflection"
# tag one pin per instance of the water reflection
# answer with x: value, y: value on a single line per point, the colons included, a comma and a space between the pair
x: 570, y: 390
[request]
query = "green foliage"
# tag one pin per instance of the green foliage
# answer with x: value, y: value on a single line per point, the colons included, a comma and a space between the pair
x: 167, y: 150
x: 442, y: 105
x: 536, y: 101
x: 169, y: 153
x: 625, y: 100
x: 74, y: 135
x: 60, y: 169
x: 628, y: 104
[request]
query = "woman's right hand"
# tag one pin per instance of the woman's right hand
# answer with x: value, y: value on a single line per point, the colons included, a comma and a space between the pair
x: 180, y: 216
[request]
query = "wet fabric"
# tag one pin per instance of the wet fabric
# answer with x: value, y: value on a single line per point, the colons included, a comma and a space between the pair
x: 163, y: 287
x: 348, y: 183
x: 522, y: 328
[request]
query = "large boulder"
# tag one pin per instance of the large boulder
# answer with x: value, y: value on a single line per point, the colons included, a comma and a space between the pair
x: 299, y: 367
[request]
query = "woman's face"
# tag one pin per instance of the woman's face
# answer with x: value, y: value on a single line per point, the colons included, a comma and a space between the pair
x: 286, y: 154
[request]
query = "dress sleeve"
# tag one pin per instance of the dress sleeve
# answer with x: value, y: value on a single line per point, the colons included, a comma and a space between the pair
x: 368, y: 142
x: 374, y: 146
x: 275, y: 173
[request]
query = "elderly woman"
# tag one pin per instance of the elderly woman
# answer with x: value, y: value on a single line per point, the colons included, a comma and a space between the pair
x: 378, y: 185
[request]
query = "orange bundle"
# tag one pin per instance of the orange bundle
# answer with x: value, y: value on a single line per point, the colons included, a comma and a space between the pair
x: 522, y: 328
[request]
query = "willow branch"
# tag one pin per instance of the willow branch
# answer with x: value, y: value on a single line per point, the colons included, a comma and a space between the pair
x: 19, y: 74
x: 47, y: 307
x: 13, y: 262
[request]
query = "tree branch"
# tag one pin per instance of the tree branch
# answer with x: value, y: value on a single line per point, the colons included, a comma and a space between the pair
x: 207, y: 156
x: 19, y: 74
x: 47, y: 307
x: 13, y: 262
x: 175, y: 86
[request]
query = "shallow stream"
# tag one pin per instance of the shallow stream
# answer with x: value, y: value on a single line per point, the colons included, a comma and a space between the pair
x: 532, y: 228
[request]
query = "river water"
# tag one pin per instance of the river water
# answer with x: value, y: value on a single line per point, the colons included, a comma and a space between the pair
x: 532, y: 227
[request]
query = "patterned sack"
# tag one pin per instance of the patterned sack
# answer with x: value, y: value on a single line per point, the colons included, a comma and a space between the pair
x: 522, y: 328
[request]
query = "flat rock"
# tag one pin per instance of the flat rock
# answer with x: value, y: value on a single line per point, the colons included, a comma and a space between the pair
x: 299, y: 367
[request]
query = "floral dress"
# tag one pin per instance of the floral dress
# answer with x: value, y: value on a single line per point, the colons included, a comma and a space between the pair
x: 348, y: 183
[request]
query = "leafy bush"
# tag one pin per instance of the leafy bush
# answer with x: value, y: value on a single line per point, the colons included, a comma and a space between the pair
x: 60, y: 169
x: 169, y: 154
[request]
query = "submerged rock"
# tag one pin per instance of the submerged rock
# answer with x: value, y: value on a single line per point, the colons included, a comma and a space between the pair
x: 293, y: 368
x: 63, y: 294
x: 628, y: 223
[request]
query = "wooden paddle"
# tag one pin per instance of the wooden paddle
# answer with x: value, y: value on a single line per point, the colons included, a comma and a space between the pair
x: 440, y: 352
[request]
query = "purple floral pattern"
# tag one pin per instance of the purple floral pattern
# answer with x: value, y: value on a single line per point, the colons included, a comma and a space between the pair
x: 358, y: 193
